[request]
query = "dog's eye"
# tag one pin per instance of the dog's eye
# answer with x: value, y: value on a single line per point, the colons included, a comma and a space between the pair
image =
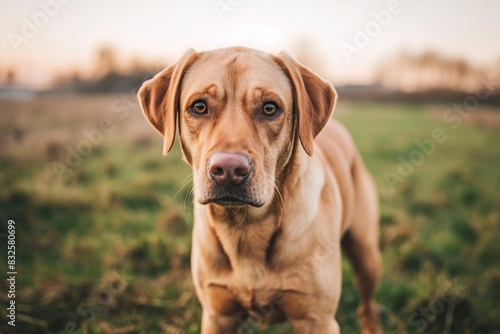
x: 199, y: 107
x: 269, y: 109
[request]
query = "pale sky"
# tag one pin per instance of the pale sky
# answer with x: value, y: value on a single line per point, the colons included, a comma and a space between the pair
x: 166, y: 29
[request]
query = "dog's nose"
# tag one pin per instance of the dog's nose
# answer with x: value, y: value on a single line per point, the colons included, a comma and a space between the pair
x: 229, y: 168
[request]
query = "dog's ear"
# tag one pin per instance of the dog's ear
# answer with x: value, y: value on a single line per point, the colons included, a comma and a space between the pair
x: 314, y: 99
x: 159, y: 98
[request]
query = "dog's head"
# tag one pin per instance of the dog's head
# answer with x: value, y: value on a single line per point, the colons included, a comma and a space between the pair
x: 240, y: 114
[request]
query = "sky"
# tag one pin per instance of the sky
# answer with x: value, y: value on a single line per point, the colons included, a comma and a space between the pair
x: 43, y: 38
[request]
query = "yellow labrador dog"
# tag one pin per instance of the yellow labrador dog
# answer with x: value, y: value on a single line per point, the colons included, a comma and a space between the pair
x: 278, y: 190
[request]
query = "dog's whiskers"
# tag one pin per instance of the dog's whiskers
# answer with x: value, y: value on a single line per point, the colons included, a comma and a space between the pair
x: 245, y: 211
x: 277, y: 191
x: 186, y: 181
x: 189, y: 197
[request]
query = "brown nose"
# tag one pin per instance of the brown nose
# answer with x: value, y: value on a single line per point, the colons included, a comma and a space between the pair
x: 229, y: 168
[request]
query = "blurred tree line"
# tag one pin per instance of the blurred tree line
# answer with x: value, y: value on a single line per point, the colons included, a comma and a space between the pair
x: 431, y: 71
x: 427, y: 73
x: 109, y: 75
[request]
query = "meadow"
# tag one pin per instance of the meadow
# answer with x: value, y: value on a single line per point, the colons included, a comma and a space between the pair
x: 103, y: 220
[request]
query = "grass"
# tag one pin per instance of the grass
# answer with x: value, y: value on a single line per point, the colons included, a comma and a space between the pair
x: 106, y: 248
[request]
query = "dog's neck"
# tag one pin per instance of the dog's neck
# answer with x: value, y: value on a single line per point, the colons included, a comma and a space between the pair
x: 244, y: 233
x: 255, y: 234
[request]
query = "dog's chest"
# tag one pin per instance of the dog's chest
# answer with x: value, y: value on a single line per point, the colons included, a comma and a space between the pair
x: 254, y: 291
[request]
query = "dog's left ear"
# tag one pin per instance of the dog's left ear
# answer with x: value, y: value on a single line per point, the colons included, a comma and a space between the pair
x: 314, y: 99
x: 159, y: 98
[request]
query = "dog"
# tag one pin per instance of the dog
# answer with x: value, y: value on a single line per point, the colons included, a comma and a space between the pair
x: 279, y: 190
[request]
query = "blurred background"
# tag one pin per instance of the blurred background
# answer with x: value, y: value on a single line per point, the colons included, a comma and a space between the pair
x: 103, y: 221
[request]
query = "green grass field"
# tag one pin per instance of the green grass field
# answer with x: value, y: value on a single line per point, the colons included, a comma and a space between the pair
x: 104, y: 246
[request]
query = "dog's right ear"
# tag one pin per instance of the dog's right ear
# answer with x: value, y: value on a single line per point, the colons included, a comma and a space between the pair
x: 159, y: 98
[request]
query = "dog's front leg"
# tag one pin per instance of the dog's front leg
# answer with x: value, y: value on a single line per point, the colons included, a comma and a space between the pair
x: 213, y: 323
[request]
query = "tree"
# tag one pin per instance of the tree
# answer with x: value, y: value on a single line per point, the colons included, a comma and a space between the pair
x: 10, y: 77
x: 105, y: 62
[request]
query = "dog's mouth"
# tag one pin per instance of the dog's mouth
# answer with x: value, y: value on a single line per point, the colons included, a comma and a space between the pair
x: 231, y: 201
